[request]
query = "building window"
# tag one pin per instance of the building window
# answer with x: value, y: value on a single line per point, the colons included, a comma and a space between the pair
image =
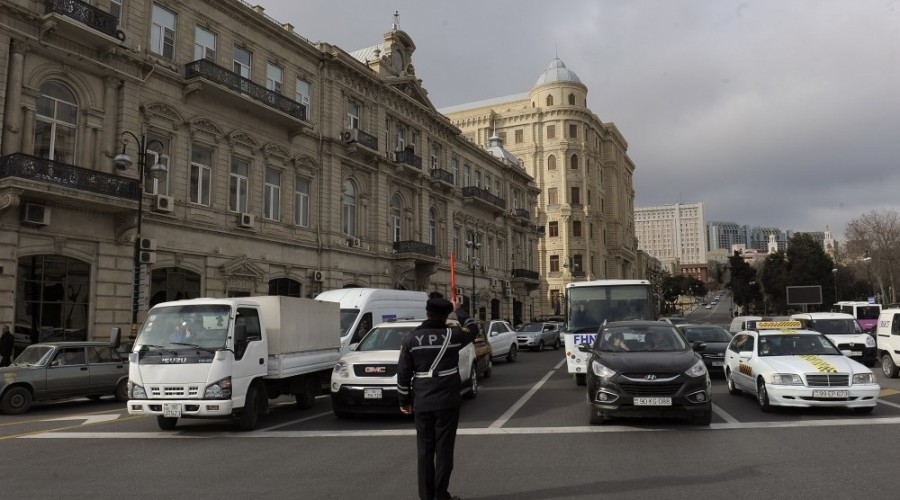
x: 238, y: 186
x: 285, y: 287
x: 432, y: 227
x: 572, y: 99
x: 520, y: 136
x: 552, y: 197
x: 115, y: 8
x: 576, y: 196
x: 204, y: 44
x: 478, y: 178
x: 551, y: 162
x: 301, y: 202
x: 302, y: 95
x: 577, y: 264
x: 435, y: 156
x: 242, y: 61
x: 489, y: 253
x: 201, y: 173
x: 272, y: 195
x: 573, y: 131
x: 501, y: 261
x: 158, y: 152
x: 549, y: 100
x: 467, y: 175
x: 553, y: 229
x: 353, y: 110
x: 454, y: 169
x: 573, y: 162
x: 56, y: 123
x: 348, y: 209
x: 162, y: 32
x: 554, y: 263
x: 551, y: 131
x: 455, y: 245
x: 576, y: 229
x: 396, y: 209
x: 274, y: 77
x: 401, y: 138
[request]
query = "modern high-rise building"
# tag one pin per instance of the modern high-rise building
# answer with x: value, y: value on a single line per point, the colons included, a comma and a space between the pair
x: 586, y: 206
x: 675, y: 234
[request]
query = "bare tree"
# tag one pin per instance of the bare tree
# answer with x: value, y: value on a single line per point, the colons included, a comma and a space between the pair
x: 876, y: 234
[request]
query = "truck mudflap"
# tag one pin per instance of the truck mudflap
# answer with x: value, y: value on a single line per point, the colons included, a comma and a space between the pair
x: 189, y: 408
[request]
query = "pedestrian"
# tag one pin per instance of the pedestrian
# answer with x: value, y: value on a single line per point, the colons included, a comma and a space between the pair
x: 7, y: 342
x: 428, y: 384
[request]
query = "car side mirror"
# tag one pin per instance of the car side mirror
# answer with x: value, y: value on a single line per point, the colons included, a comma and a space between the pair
x: 698, y: 346
x: 744, y: 355
x: 584, y: 347
x: 55, y: 362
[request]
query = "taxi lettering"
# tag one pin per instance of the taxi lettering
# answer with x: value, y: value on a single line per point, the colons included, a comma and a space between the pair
x: 745, y: 369
x: 587, y: 338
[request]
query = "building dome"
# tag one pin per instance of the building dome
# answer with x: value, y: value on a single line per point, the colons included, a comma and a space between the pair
x: 557, y: 72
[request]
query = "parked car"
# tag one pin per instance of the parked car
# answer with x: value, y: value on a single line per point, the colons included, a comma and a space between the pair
x: 62, y: 370
x: 645, y: 369
x: 713, y: 340
x: 845, y: 332
x: 674, y: 320
x: 365, y: 378
x: 502, y: 338
x: 536, y: 336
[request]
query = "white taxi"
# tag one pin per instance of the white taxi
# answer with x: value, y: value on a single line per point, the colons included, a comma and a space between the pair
x: 365, y: 378
x: 784, y: 365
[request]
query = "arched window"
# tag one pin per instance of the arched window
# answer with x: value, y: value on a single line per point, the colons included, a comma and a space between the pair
x: 432, y: 226
x: 549, y: 100
x: 572, y: 99
x: 348, y: 209
x: 395, y: 218
x: 573, y: 162
x: 551, y: 162
x: 55, y: 126
x: 285, y: 287
x: 175, y: 283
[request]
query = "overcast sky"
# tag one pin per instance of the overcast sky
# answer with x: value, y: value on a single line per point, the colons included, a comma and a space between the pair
x: 780, y: 113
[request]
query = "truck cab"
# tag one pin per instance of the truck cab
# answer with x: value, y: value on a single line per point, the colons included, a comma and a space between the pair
x: 887, y: 335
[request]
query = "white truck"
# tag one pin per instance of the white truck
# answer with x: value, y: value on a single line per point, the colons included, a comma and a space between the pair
x: 225, y: 358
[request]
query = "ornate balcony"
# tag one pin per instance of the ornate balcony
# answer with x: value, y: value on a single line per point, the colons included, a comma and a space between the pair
x: 442, y: 176
x: 525, y: 274
x: 256, y: 98
x: 414, y: 247
x: 484, y: 196
x: 408, y: 158
x: 522, y: 213
x: 71, y: 17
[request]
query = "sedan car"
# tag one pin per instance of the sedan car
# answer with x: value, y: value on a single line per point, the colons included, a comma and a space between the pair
x: 502, y: 338
x: 536, y: 336
x: 365, y: 378
x: 712, y: 340
x: 783, y: 365
x: 62, y: 370
x: 645, y: 369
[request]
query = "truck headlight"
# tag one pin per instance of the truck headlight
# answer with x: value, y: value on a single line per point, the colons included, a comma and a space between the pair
x: 600, y: 370
x: 220, y: 389
x: 863, y: 378
x: 870, y: 342
x: 135, y: 391
x: 786, y: 379
x: 698, y: 370
x: 342, y: 370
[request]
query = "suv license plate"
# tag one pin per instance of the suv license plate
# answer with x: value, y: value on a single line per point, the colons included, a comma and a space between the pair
x: 830, y: 394
x: 652, y: 401
x: 172, y: 410
x: 371, y: 393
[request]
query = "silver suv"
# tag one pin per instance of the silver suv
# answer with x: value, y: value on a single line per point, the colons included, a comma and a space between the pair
x: 536, y: 336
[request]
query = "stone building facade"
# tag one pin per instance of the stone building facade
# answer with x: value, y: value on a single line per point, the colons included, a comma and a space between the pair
x: 586, y: 206
x: 273, y: 166
x: 675, y: 234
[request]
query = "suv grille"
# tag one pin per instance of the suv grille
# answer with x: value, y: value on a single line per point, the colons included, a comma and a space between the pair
x: 828, y: 380
x: 375, y: 370
x: 651, y: 389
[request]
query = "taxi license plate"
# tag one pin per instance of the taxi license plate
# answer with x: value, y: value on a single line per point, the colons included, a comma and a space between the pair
x: 718, y: 363
x: 371, y: 393
x: 652, y: 401
x: 830, y: 394
x: 856, y: 353
x: 171, y: 410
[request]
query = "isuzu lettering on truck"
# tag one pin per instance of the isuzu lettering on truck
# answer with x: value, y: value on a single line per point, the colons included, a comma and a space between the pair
x: 225, y: 358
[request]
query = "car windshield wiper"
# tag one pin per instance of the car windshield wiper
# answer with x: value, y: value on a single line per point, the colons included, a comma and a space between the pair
x: 195, y: 346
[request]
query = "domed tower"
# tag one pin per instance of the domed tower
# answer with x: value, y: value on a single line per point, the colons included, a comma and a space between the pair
x: 558, y: 86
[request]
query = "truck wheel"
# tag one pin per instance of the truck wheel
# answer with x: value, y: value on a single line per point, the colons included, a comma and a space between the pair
x: 166, y: 423
x: 307, y: 398
x: 513, y: 353
x: 250, y: 412
x: 888, y: 367
x: 472, y: 391
x: 121, y: 393
x: 540, y: 346
x: 16, y: 400
x: 580, y: 379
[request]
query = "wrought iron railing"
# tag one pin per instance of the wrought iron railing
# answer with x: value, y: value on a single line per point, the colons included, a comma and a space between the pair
x: 367, y: 140
x: 442, y: 175
x: 525, y: 273
x: 213, y: 72
x: 523, y: 213
x: 416, y: 247
x: 409, y: 158
x: 87, y: 14
x: 60, y: 174
x: 483, y: 195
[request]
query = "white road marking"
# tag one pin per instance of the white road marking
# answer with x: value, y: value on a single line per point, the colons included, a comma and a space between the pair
x: 724, y: 414
x: 500, y: 422
x: 883, y: 402
x: 88, y: 419
x: 293, y: 422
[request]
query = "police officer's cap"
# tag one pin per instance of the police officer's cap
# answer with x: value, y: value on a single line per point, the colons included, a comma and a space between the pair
x: 439, y: 307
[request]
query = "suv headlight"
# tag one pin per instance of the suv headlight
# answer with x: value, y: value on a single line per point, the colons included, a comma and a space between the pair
x: 220, y: 389
x: 787, y: 379
x: 135, y: 391
x: 698, y: 370
x: 342, y: 369
x: 870, y: 342
x: 863, y: 378
x: 600, y: 370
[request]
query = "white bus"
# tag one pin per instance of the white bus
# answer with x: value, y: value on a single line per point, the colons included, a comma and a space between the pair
x: 590, y: 304
x: 866, y: 314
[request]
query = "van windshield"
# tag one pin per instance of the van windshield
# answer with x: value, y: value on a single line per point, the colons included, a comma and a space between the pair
x: 348, y: 317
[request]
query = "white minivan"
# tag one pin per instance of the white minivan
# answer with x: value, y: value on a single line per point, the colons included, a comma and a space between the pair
x: 887, y: 336
x: 361, y: 308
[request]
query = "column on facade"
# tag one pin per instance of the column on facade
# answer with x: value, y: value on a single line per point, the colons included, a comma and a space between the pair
x: 12, y: 116
x: 28, y: 117
x: 110, y: 110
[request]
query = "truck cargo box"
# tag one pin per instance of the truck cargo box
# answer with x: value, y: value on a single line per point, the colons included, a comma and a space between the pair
x: 296, y: 325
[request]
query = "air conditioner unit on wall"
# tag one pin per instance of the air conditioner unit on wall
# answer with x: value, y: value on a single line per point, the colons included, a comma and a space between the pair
x: 164, y: 203
x: 318, y: 276
x: 148, y: 257
x: 148, y: 244
x: 353, y: 242
x: 246, y: 220
x: 350, y: 135
x: 36, y: 214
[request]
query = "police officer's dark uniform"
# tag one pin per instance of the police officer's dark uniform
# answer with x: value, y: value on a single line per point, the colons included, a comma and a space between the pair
x: 433, y: 390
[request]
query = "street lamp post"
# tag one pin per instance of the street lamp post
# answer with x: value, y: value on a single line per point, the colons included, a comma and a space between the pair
x: 473, y: 245
x: 122, y: 161
x: 834, y: 272
x: 868, y: 261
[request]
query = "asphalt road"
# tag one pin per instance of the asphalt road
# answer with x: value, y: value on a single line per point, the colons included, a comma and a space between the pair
x: 524, y: 437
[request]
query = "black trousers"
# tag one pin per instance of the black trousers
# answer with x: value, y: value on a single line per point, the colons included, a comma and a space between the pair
x: 435, y: 439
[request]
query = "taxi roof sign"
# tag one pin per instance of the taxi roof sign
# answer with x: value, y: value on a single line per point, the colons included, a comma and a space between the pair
x: 774, y: 325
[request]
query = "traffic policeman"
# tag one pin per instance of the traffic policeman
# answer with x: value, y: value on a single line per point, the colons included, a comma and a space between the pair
x: 428, y: 383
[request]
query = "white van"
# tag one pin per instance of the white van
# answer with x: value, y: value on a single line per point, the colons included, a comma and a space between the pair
x: 844, y: 331
x: 887, y: 335
x: 739, y: 323
x: 362, y: 308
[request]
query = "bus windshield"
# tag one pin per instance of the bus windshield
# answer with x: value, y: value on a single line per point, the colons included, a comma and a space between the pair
x: 591, y: 306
